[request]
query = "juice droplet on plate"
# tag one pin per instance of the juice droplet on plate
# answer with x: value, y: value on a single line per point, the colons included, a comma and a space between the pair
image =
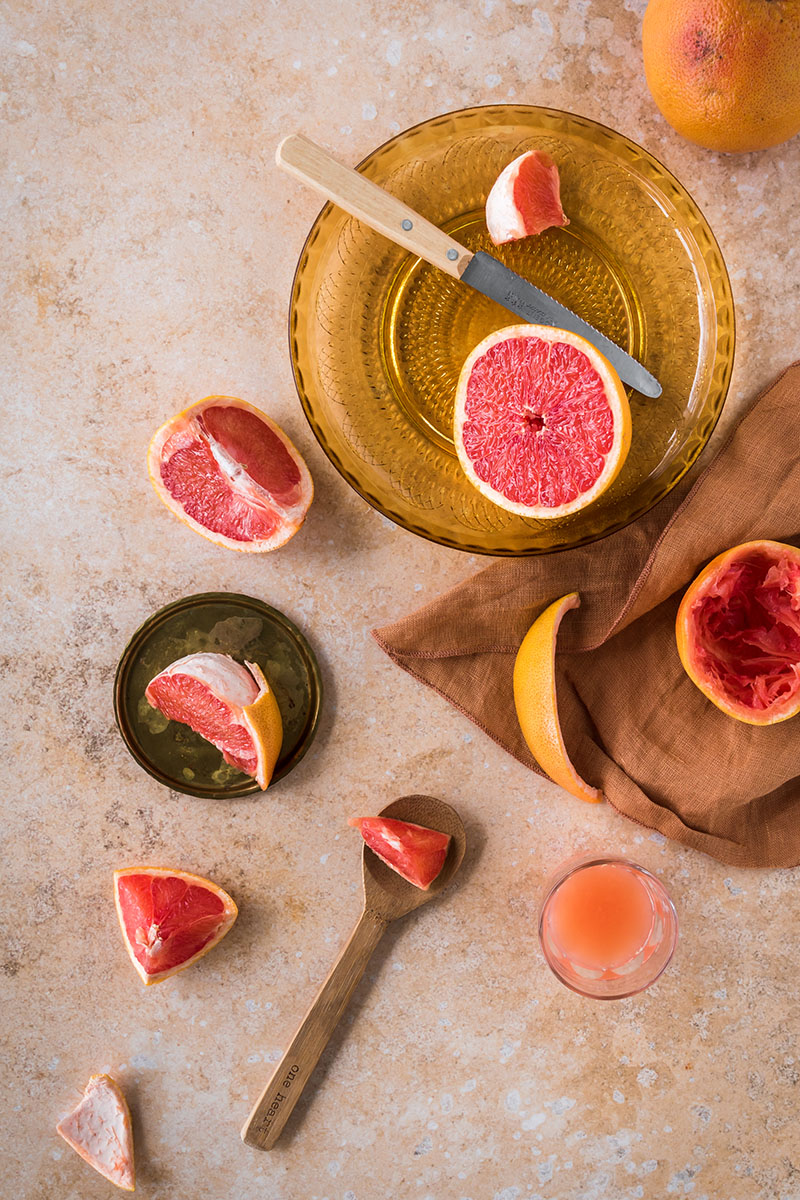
x: 601, y: 916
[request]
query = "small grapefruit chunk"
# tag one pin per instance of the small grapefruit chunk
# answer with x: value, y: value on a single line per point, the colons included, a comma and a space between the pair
x: 169, y: 919
x: 230, y: 705
x: 525, y: 199
x: 738, y: 632
x: 231, y: 474
x: 542, y: 422
x: 99, y: 1129
x: 413, y: 851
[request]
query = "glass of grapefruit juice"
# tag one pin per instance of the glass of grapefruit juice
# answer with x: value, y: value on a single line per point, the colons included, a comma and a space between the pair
x: 607, y: 927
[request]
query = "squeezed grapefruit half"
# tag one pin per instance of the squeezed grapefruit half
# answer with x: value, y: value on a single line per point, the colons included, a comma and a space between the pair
x: 99, y: 1129
x: 169, y: 918
x: 542, y: 421
x: 231, y: 474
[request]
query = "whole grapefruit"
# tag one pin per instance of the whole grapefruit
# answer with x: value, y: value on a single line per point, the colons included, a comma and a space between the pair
x: 725, y: 73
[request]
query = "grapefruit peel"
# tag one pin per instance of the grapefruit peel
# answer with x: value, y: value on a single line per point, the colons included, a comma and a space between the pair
x: 99, y: 1130
x: 224, y: 683
x: 738, y: 632
x: 198, y: 470
x: 537, y: 704
x: 524, y: 199
x: 129, y: 890
x: 554, y: 450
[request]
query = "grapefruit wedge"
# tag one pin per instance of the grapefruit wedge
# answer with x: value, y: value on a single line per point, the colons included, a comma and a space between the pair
x: 99, y: 1129
x: 738, y: 632
x: 231, y: 474
x: 169, y: 919
x: 542, y: 422
x: 413, y: 851
x: 230, y: 705
x: 525, y: 199
x: 536, y: 702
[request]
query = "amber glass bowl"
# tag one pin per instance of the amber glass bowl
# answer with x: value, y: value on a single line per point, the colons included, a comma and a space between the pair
x: 378, y: 337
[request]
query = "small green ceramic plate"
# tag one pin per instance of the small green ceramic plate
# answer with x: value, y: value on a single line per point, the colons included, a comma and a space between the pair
x: 222, y: 623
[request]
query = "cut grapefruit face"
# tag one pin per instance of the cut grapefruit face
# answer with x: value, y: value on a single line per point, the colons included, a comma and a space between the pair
x: 232, y: 474
x: 230, y: 705
x: 412, y: 851
x: 542, y: 422
x: 525, y: 199
x: 99, y: 1129
x: 169, y: 919
x: 536, y: 702
x: 738, y: 632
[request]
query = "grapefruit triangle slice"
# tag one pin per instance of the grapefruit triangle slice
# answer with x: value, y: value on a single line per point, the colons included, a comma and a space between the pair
x: 230, y: 705
x: 413, y: 851
x: 99, y: 1129
x: 542, y: 421
x: 231, y: 474
x: 525, y: 199
x: 537, y: 704
x: 169, y: 918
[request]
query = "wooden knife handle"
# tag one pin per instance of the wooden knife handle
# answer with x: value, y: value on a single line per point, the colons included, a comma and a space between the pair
x: 265, y: 1123
x: 369, y: 203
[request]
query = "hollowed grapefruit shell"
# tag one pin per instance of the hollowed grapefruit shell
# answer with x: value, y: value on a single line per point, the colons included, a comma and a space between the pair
x: 738, y: 632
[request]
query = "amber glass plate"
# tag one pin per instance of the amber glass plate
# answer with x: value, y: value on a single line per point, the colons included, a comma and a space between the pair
x: 378, y: 337
x: 222, y: 623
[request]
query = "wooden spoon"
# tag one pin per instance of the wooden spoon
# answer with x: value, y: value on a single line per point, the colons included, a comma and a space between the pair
x: 387, y: 896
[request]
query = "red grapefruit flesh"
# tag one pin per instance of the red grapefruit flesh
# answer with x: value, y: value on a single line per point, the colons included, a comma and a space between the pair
x: 738, y: 632
x: 525, y: 199
x: 413, y: 851
x: 169, y: 919
x: 230, y: 705
x: 542, y: 422
x: 232, y: 474
x: 99, y: 1129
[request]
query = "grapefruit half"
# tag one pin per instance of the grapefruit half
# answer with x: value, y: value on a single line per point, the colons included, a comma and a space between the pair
x: 542, y: 422
x: 738, y: 632
x: 230, y: 705
x: 231, y: 474
x: 525, y: 199
x: 412, y: 851
x: 169, y: 919
x: 99, y: 1129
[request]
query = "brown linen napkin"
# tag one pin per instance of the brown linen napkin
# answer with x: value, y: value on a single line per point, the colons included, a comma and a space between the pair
x: 633, y: 722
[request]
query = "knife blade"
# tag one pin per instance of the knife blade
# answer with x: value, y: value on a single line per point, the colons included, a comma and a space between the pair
x: 381, y: 211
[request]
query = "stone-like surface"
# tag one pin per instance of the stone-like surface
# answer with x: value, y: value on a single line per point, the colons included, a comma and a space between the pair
x: 147, y: 255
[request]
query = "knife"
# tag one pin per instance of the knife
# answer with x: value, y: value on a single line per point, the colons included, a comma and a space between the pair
x: 381, y: 211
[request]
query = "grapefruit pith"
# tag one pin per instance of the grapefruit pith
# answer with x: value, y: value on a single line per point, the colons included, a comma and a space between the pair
x: 99, y: 1129
x: 415, y: 852
x: 230, y: 705
x: 231, y: 474
x: 738, y: 632
x: 542, y: 422
x: 169, y: 918
x: 525, y: 199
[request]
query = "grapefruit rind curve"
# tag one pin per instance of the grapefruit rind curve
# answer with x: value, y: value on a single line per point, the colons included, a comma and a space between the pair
x: 615, y: 395
x: 76, y: 1130
x: 291, y: 522
x: 263, y: 720
x: 685, y: 641
x: 536, y: 701
x: 230, y: 912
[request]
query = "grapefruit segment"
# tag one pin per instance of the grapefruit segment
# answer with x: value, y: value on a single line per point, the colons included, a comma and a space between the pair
x: 525, y: 199
x: 231, y: 474
x: 738, y: 632
x: 169, y: 918
x: 99, y: 1129
x: 536, y: 702
x: 413, y: 851
x: 542, y: 422
x: 230, y: 705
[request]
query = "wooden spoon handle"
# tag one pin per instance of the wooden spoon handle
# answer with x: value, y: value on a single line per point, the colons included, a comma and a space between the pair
x: 263, y: 1127
x: 371, y: 204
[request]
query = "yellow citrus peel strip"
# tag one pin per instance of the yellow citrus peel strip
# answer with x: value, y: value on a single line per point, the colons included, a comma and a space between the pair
x: 536, y: 702
x: 263, y: 719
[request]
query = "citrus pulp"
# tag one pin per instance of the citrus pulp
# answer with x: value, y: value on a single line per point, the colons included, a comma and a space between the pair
x: 413, y: 851
x: 524, y: 199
